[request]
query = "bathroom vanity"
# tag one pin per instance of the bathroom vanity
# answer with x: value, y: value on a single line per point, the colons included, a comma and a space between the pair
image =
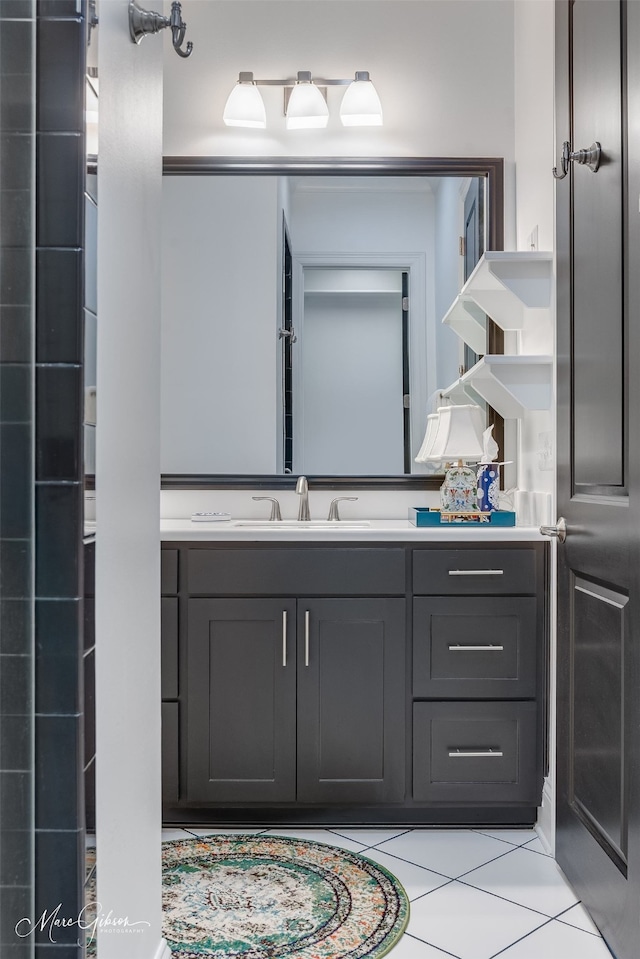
x: 348, y: 675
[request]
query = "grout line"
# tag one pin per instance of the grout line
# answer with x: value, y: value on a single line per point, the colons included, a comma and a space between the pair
x: 541, y: 926
x: 597, y: 934
x: 430, y: 944
x: 511, y: 901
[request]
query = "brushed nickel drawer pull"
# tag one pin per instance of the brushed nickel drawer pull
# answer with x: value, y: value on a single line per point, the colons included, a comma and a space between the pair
x: 476, y: 572
x: 474, y: 753
x: 306, y: 637
x: 484, y: 649
x: 284, y: 637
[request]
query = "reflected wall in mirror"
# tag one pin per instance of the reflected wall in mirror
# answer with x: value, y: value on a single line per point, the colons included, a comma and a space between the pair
x: 301, y: 324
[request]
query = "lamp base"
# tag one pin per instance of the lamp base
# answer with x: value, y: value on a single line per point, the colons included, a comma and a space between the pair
x: 458, y: 493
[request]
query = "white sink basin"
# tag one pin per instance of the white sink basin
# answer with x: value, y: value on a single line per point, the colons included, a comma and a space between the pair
x: 289, y: 524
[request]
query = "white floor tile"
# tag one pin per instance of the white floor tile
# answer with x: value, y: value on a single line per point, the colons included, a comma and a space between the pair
x: 410, y: 948
x: 168, y: 834
x: 470, y: 923
x: 516, y: 837
x: 450, y: 852
x: 536, y: 846
x: 319, y: 835
x: 529, y: 880
x: 556, y: 940
x: 370, y: 837
x: 416, y: 880
x: 579, y: 917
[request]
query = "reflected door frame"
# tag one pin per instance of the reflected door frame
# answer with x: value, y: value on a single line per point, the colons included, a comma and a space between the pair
x: 422, y: 340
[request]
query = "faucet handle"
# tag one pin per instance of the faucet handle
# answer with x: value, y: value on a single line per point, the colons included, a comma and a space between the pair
x: 275, y: 507
x: 334, y: 515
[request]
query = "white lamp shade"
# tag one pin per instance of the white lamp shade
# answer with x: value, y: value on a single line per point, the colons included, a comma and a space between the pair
x: 361, y: 105
x: 307, y: 108
x: 459, y: 434
x: 245, y: 108
x: 429, y: 437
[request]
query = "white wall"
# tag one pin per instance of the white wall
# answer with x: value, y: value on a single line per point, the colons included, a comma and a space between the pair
x: 444, y: 72
x: 220, y: 304
x: 128, y: 466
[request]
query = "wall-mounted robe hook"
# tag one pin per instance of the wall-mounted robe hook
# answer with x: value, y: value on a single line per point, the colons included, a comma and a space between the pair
x: 143, y: 22
x: 590, y: 158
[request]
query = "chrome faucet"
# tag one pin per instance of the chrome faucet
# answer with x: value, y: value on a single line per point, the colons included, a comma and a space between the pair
x: 302, y: 489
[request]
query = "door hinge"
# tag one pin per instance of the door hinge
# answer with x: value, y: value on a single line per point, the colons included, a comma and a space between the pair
x: 406, y: 401
x: 405, y: 303
x: 462, y: 246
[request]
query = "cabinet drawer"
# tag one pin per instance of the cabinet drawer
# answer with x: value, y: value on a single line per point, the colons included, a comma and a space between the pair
x: 474, y: 647
x: 476, y: 572
x: 169, y: 571
x: 310, y: 572
x: 475, y: 752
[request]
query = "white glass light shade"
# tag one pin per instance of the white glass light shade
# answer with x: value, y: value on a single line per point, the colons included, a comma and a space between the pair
x: 459, y: 434
x: 244, y: 106
x: 429, y: 437
x: 361, y: 105
x: 307, y: 108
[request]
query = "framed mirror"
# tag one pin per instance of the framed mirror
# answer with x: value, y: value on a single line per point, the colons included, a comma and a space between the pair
x: 302, y: 308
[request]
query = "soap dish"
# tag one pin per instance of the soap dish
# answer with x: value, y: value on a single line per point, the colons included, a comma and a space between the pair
x: 210, y: 517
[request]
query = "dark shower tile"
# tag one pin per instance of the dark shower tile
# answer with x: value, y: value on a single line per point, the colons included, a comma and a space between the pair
x: 15, y: 800
x: 16, y: 46
x: 15, y: 857
x: 57, y: 8
x: 15, y: 686
x: 59, y: 880
x: 60, y: 73
x: 15, y: 160
x: 15, y: 569
x: 16, y: 104
x: 58, y: 655
x: 16, y: 277
x: 16, y: 471
x: 58, y: 422
x: 59, y: 306
x: 15, y: 393
x: 58, y: 772
x: 16, y: 905
x: 58, y: 537
x: 59, y: 170
x: 15, y: 626
x: 15, y: 747
x: 90, y: 797
x: 16, y: 10
x: 15, y: 222
x: 15, y: 334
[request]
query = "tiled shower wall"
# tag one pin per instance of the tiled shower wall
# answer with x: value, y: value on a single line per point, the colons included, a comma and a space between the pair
x: 17, y: 204
x: 41, y: 505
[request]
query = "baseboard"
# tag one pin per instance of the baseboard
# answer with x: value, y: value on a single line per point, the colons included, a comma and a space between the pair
x: 163, y: 951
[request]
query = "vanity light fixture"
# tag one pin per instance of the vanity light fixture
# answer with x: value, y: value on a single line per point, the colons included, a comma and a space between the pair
x: 305, y: 102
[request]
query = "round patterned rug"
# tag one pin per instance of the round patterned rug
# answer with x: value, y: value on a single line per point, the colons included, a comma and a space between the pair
x: 270, y: 897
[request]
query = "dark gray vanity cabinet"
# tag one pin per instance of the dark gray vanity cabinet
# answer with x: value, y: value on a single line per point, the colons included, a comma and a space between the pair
x: 347, y: 683
x: 477, y: 648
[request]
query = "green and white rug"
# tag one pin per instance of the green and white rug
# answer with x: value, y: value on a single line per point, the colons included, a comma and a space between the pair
x: 269, y: 897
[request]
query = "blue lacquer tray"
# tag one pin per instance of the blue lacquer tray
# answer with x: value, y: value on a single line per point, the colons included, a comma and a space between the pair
x: 423, y: 516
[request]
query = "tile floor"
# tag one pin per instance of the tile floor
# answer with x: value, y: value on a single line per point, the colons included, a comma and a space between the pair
x: 475, y: 894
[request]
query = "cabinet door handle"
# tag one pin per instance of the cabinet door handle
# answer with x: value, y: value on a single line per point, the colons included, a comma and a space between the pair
x: 484, y: 649
x: 474, y: 753
x: 476, y: 572
x: 284, y: 637
x: 306, y: 637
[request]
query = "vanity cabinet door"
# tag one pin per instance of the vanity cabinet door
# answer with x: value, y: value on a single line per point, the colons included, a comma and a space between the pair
x: 241, y: 700
x: 351, y: 700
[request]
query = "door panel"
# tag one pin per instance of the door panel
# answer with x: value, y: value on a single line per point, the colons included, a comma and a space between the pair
x: 240, y: 736
x: 598, y: 470
x: 351, y: 714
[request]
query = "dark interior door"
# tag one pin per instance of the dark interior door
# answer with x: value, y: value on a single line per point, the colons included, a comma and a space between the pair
x: 598, y: 368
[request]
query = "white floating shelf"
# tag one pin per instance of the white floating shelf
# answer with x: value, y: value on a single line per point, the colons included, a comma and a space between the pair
x: 512, y: 384
x: 461, y: 393
x: 513, y: 288
x: 467, y: 320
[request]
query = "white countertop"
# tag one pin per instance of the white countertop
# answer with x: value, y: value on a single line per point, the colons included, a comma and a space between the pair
x: 389, y: 530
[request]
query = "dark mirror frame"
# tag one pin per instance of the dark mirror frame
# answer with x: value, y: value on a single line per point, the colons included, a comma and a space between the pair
x: 492, y: 168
